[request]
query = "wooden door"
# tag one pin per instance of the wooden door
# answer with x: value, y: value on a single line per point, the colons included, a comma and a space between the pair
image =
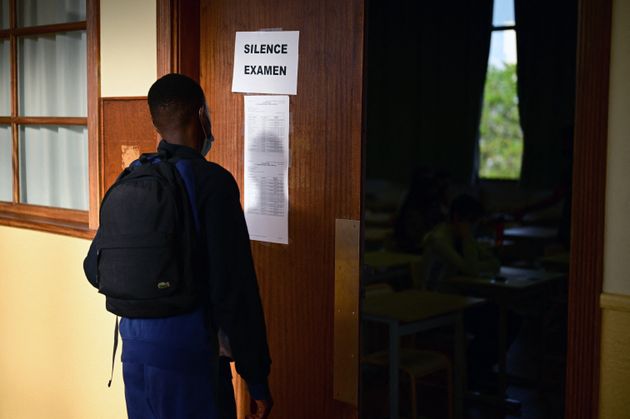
x: 297, y: 280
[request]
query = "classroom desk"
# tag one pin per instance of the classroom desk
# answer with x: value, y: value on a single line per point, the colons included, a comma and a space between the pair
x: 375, y: 237
x: 531, y: 241
x: 559, y: 262
x: 378, y: 219
x: 412, y: 311
x: 382, y: 261
x: 518, y: 285
x: 534, y: 233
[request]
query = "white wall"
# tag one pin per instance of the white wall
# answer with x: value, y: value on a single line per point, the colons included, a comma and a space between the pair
x: 128, y: 47
x: 617, y: 238
x: 56, y: 335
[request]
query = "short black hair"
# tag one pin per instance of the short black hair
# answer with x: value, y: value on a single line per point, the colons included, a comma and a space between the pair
x: 173, y: 100
x: 466, y: 208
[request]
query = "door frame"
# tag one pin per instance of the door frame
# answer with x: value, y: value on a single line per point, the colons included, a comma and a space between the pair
x: 178, y: 37
x: 586, y: 270
x: 178, y: 51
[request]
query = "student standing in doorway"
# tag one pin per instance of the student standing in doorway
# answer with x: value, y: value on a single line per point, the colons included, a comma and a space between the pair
x: 178, y: 367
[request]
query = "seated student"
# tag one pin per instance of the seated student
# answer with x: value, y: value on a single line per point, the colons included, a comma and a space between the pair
x: 451, y: 249
x: 422, y: 209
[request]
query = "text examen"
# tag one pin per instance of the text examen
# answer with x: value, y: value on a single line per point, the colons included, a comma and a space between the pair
x: 265, y: 70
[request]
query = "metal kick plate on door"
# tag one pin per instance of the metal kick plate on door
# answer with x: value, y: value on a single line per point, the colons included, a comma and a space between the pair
x: 346, y: 318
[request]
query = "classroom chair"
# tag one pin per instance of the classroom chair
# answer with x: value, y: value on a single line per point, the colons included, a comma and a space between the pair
x: 417, y: 364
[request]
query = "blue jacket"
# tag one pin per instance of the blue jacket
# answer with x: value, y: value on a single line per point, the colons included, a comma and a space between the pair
x: 233, y: 305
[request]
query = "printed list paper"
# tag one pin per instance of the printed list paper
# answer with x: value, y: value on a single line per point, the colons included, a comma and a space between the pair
x: 267, y: 168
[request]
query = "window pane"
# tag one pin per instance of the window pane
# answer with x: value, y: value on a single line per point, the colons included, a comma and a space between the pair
x: 5, y: 78
x: 4, y: 14
x: 502, y: 48
x: 53, y: 75
x: 500, y: 135
x: 503, y: 14
x: 6, y: 164
x: 53, y: 166
x: 47, y: 12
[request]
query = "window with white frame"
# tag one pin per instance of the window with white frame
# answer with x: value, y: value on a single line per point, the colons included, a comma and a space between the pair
x: 43, y: 106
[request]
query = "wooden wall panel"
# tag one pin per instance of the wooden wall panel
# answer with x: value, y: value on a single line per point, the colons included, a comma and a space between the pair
x: 127, y: 131
x: 297, y: 281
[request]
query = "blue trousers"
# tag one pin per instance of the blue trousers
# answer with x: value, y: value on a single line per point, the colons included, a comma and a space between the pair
x: 155, y: 393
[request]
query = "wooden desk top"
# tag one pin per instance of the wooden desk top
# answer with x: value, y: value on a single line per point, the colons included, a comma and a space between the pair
x: 515, y: 279
x: 559, y: 262
x: 414, y: 305
x: 531, y: 232
x: 378, y: 233
x: 384, y: 259
x: 378, y: 218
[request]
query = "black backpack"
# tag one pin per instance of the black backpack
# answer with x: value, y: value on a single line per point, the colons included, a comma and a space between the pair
x: 145, y: 245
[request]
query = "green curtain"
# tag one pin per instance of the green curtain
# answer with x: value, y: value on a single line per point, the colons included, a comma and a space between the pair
x: 426, y: 71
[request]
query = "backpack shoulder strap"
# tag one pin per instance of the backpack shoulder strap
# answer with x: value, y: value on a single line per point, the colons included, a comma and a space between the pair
x: 184, y: 168
x: 152, y: 157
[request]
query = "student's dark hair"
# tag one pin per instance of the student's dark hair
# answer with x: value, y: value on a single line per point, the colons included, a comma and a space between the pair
x: 466, y: 208
x: 173, y: 100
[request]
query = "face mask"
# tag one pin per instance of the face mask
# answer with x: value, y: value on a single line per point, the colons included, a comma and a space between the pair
x: 207, y: 144
x: 207, y: 141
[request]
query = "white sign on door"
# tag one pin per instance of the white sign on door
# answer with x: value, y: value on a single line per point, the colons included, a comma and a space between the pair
x: 266, y: 62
